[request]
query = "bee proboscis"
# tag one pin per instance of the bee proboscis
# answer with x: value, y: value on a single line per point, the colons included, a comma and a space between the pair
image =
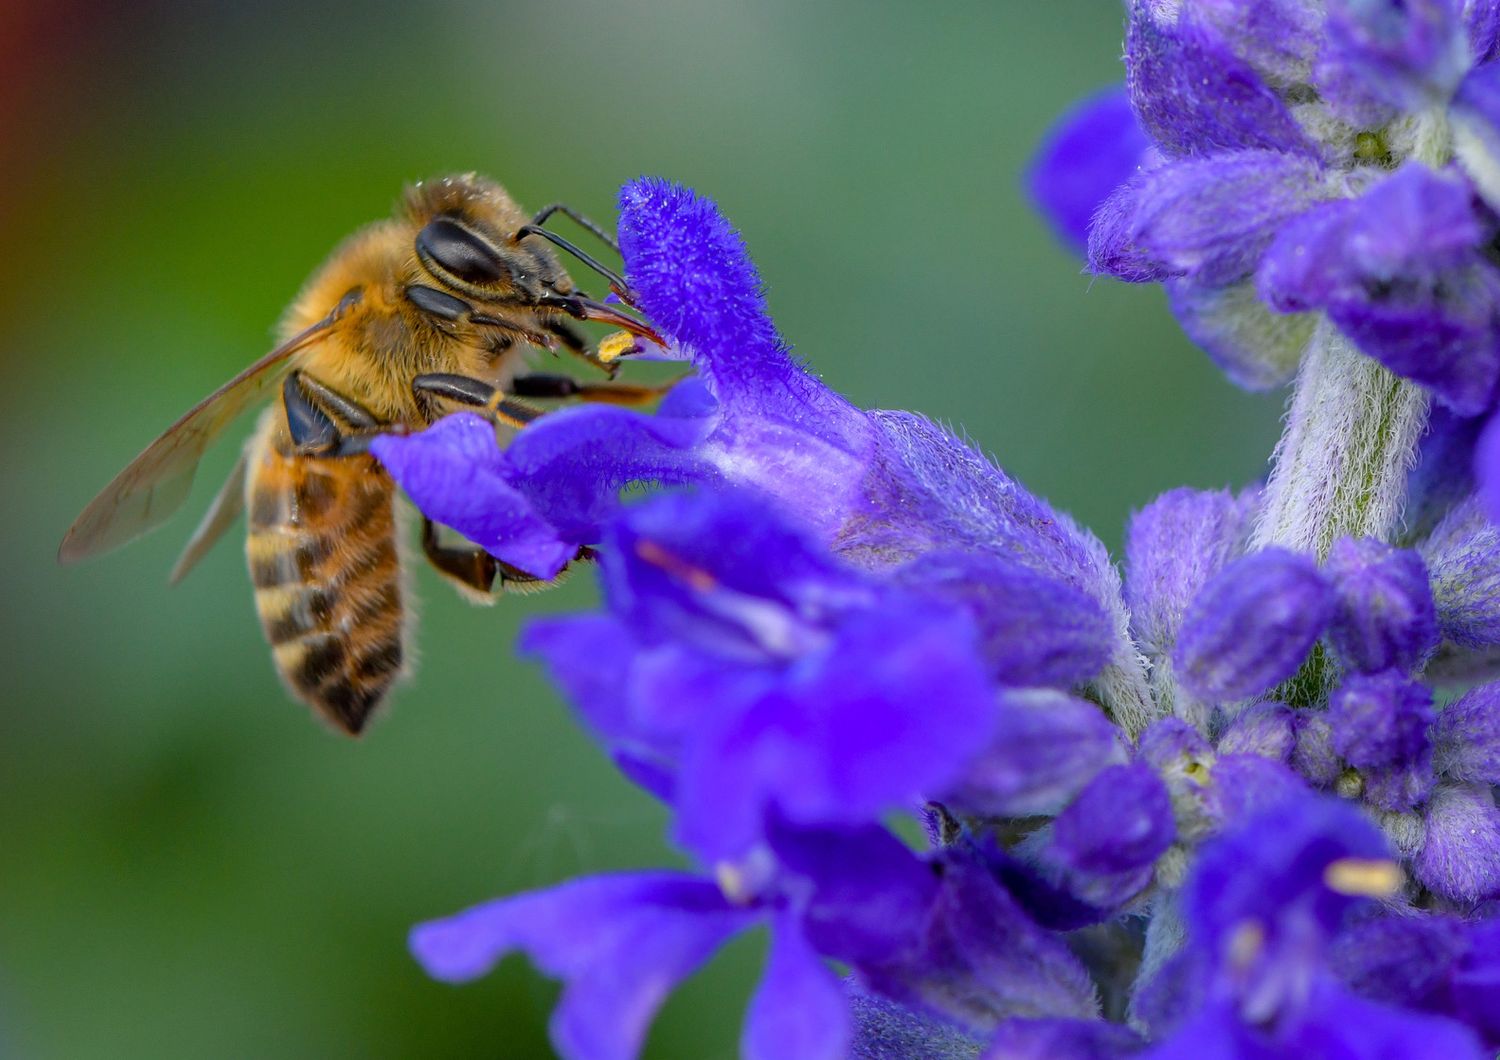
x: 409, y: 316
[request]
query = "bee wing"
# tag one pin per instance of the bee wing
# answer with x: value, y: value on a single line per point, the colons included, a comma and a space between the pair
x: 156, y: 483
x: 221, y: 514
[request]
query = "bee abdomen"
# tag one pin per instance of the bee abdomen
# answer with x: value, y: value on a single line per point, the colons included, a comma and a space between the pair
x: 323, y: 558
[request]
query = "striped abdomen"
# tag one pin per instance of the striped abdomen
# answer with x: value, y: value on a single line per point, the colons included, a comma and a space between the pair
x: 327, y: 574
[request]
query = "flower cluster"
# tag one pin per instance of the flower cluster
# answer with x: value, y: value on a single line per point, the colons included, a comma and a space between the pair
x: 1217, y: 807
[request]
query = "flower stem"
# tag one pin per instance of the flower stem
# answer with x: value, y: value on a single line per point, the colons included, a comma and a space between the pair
x: 1350, y: 439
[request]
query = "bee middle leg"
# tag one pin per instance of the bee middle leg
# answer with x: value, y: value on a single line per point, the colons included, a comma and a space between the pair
x: 477, y: 574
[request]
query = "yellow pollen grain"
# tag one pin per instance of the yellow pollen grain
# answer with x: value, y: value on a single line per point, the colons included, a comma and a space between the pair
x: 1364, y: 877
x: 616, y: 345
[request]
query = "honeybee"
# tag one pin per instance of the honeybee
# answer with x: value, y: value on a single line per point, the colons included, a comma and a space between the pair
x: 434, y: 307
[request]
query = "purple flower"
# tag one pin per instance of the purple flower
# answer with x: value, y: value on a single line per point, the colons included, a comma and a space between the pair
x: 1385, y: 617
x: 835, y: 697
x: 1379, y: 725
x: 1263, y: 906
x: 1463, y: 559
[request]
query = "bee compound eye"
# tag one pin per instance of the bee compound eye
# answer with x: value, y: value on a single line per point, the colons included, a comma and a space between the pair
x: 459, y: 252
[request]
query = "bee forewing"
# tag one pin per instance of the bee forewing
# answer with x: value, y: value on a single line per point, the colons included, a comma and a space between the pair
x: 156, y: 483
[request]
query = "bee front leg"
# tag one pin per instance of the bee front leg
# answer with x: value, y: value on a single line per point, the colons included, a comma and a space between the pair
x: 478, y: 395
x: 323, y: 422
x: 501, y: 404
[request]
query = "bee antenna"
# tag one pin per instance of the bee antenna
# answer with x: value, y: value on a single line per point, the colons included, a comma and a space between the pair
x: 616, y: 282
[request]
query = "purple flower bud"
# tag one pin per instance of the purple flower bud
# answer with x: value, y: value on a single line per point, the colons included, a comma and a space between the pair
x: 1211, y: 218
x: 1314, y: 756
x: 1103, y: 846
x: 1173, y: 547
x: 1264, y: 729
x: 1256, y: 347
x: 1460, y: 855
x: 1463, y: 558
x: 1385, y: 617
x: 1194, y: 96
x: 1380, y: 724
x: 1252, y: 625
x: 1467, y: 736
x: 1093, y: 149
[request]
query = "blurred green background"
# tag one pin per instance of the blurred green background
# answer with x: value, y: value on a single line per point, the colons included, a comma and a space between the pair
x: 193, y: 867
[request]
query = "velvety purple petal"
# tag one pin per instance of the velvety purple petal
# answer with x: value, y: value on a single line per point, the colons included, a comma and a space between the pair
x: 1046, y: 747
x: 982, y: 960
x: 590, y: 657
x: 885, y: 1030
x: 894, y: 710
x: 1092, y: 149
x: 697, y: 285
x: 455, y: 472
x: 1400, y: 959
x: 1385, y: 617
x: 621, y: 943
x: 1400, y: 53
x: 1252, y: 625
x: 861, y: 894
x: 572, y: 463
x: 1463, y: 559
x: 1254, y: 346
x: 1034, y: 629
x: 1248, y: 785
x: 1173, y: 547
x: 1487, y: 469
x: 1019, y: 1039
x: 1171, y: 742
x: 1467, y: 736
x: 1194, y: 96
x: 1264, y: 729
x: 799, y: 1008
x: 1475, y: 987
x: 1211, y: 218
x: 1460, y: 855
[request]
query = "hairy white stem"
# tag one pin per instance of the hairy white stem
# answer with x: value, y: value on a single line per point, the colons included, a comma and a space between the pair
x: 1350, y: 439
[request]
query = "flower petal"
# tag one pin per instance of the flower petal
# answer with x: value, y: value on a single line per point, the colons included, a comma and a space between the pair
x: 455, y: 472
x: 1460, y: 855
x: 1385, y: 617
x: 620, y: 942
x: 799, y: 1008
x: 1463, y: 557
x: 1467, y: 736
x: 1254, y: 346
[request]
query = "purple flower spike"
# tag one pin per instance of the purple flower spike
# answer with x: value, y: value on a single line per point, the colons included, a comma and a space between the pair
x: 1467, y: 736
x: 1252, y: 625
x: 1460, y: 855
x: 1092, y: 150
x: 1385, y: 617
x: 1380, y: 724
